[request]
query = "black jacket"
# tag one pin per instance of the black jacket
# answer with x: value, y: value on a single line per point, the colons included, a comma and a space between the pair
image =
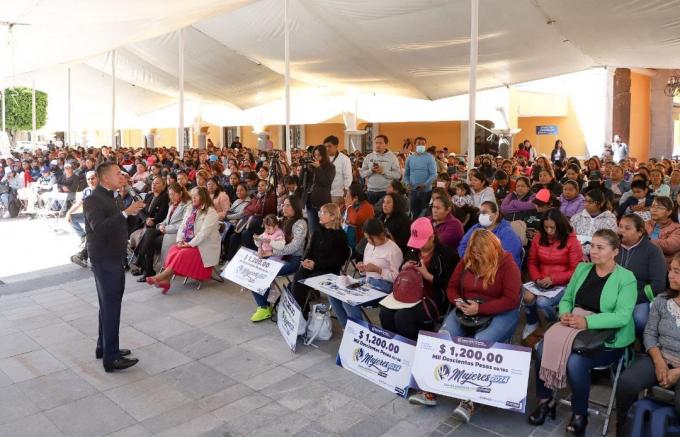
x: 329, y: 250
x: 154, y: 208
x: 399, y: 226
x: 320, y: 190
x: 444, y: 261
x: 105, y: 226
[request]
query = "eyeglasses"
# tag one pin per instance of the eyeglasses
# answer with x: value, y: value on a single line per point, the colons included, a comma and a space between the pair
x: 657, y: 207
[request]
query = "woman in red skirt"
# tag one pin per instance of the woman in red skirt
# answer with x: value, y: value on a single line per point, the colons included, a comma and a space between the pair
x: 198, y: 243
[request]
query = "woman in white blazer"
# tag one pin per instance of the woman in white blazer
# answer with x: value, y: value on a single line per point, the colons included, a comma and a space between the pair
x: 164, y: 235
x: 198, y: 243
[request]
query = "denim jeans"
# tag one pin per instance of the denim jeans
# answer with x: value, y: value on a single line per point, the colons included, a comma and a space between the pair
x: 343, y: 311
x: 77, y: 222
x: 419, y: 201
x: 291, y: 265
x: 578, y: 375
x: 312, y: 218
x: 640, y: 316
x: 500, y: 329
x: 544, y: 304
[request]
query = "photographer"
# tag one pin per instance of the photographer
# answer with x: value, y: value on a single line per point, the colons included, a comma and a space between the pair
x: 319, y: 180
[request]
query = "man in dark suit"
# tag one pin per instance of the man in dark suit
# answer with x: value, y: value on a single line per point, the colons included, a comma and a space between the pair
x: 106, y: 229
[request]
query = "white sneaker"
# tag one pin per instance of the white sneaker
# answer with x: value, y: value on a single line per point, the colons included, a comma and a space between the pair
x: 464, y: 411
x: 528, y: 330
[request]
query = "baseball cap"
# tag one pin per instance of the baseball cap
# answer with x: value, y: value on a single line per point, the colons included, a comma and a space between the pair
x: 421, y: 231
x: 545, y: 197
x: 402, y: 298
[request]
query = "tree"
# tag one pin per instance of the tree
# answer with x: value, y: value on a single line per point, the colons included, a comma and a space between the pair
x: 18, y: 113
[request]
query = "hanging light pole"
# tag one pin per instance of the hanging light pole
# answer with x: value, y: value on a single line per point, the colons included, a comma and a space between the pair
x: 180, y: 103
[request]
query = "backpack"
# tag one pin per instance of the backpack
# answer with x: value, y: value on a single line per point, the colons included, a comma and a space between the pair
x: 409, y: 282
x: 649, y: 418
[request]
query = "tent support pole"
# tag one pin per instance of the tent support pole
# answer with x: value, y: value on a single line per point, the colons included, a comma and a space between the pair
x: 474, y: 23
x: 113, y: 99
x: 287, y: 76
x: 67, y: 140
x: 180, y: 129
x: 33, y: 120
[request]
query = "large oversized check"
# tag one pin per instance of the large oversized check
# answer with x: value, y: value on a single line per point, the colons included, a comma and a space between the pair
x: 380, y: 356
x: 494, y: 374
x: 252, y: 272
x: 329, y: 285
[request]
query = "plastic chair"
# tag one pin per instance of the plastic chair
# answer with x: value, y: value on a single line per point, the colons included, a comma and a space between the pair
x: 615, y: 370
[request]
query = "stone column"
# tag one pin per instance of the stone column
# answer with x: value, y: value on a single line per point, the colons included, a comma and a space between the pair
x: 661, y: 106
x: 621, y: 105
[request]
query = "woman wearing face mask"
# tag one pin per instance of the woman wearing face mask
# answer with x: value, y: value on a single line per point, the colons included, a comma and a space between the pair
x: 481, y: 191
x: 662, y: 230
x: 448, y: 228
x: 571, y: 201
x: 639, y: 255
x: 491, y: 220
x: 553, y: 257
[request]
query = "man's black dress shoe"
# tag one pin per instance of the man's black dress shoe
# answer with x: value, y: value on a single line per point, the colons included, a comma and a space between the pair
x: 123, y: 353
x: 120, y: 364
x: 141, y: 279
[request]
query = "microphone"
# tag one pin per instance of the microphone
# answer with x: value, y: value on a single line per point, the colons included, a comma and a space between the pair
x: 135, y: 195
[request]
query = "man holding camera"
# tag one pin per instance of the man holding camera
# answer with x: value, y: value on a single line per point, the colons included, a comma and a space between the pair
x: 379, y: 169
x: 343, y: 170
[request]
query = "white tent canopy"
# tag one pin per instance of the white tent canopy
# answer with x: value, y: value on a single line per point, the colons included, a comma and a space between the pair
x: 378, y: 48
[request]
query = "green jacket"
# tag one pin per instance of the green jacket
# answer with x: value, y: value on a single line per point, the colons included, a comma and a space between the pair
x: 616, y: 303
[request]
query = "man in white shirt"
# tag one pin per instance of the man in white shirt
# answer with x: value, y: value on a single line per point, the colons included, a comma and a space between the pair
x: 343, y: 170
x: 620, y: 149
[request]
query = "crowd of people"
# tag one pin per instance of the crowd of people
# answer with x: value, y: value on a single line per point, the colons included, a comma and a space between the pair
x: 602, y: 235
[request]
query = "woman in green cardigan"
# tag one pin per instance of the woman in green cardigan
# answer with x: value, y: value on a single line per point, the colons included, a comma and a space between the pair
x: 600, y: 295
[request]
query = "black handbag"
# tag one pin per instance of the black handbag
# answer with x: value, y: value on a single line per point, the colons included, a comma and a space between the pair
x: 591, y: 341
x: 471, y: 323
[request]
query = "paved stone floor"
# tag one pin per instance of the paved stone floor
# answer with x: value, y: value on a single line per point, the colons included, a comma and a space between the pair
x: 204, y: 369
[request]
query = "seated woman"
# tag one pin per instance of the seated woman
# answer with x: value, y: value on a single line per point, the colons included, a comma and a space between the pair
x: 435, y: 263
x: 219, y: 197
x: 600, y: 295
x: 260, y: 205
x: 662, y: 228
x: 382, y: 260
x: 486, y: 282
x: 553, y: 257
x: 295, y: 230
x: 357, y: 210
x: 395, y: 220
x: 164, y: 235
x: 517, y: 204
x: 595, y: 216
x: 639, y: 202
x: 327, y: 253
x: 491, y: 220
x: 645, y: 259
x: 198, y: 244
x: 571, y: 200
x: 546, y: 179
x: 657, y: 184
x: 448, y: 228
x: 481, y: 191
x: 662, y: 342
